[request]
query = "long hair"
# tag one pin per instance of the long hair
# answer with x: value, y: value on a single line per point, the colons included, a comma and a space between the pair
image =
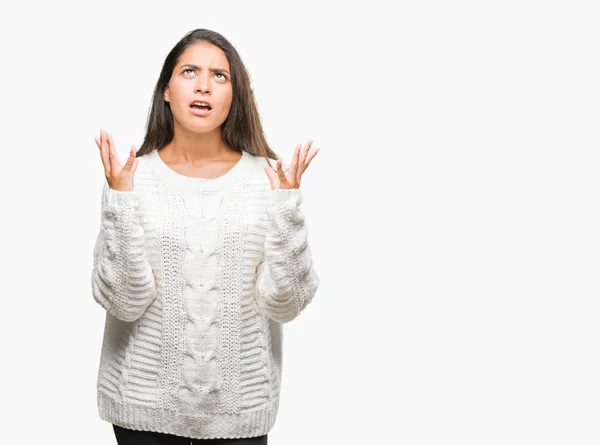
x: 242, y: 129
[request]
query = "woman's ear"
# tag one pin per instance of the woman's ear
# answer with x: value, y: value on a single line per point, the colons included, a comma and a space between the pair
x: 166, y: 94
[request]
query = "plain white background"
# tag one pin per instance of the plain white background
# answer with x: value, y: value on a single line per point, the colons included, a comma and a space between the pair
x: 453, y: 210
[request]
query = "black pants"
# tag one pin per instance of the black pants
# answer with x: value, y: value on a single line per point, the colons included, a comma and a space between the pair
x: 132, y: 437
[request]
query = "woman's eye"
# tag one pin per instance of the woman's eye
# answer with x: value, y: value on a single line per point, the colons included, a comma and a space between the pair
x: 223, y: 76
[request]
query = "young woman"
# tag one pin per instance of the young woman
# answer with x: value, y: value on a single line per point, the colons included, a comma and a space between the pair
x: 202, y: 255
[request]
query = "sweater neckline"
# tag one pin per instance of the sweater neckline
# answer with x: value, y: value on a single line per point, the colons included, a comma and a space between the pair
x: 162, y: 170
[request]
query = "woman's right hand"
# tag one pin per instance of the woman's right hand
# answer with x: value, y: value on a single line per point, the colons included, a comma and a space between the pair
x: 119, y: 177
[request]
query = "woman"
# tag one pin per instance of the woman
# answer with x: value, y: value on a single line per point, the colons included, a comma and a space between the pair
x: 200, y: 264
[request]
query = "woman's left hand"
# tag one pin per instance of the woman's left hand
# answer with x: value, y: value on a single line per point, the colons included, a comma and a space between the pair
x: 300, y: 162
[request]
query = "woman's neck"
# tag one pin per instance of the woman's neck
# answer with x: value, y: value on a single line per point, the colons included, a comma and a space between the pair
x: 190, y: 147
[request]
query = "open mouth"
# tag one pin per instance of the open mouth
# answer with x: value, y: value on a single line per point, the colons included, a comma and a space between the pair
x: 200, y: 108
x: 200, y: 105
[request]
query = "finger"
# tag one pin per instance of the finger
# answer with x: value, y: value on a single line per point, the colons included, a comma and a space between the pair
x: 302, y: 159
x: 310, y: 157
x: 272, y: 177
x: 295, y: 158
x: 99, y: 145
x: 305, y: 151
x: 135, y: 164
x: 130, y: 159
x: 104, y: 153
x: 114, y: 158
x: 281, y: 174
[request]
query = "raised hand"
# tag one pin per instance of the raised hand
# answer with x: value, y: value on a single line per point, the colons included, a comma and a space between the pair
x: 119, y: 177
x: 291, y: 178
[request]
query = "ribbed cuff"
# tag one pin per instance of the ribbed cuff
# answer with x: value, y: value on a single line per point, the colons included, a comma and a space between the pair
x: 119, y: 198
x: 279, y: 195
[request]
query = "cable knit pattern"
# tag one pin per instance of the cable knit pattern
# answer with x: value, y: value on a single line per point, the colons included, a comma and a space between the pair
x: 197, y: 277
x: 286, y: 279
x: 122, y: 282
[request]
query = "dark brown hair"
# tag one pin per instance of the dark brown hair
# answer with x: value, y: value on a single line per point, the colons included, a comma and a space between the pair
x: 242, y: 129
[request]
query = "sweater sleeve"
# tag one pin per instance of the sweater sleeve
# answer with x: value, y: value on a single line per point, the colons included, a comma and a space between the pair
x: 286, y: 280
x: 123, y: 282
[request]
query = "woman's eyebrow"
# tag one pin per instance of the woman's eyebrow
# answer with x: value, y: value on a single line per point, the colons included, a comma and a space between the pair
x: 196, y: 67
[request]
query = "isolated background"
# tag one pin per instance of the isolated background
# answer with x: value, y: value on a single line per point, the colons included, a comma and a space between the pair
x: 453, y: 209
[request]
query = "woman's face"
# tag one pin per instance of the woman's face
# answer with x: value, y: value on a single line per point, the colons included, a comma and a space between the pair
x: 202, y: 73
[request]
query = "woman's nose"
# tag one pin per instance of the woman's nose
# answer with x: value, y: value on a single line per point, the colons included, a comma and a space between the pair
x: 202, y: 85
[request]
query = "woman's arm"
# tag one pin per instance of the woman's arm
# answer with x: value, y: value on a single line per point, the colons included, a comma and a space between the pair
x: 122, y: 279
x: 286, y: 280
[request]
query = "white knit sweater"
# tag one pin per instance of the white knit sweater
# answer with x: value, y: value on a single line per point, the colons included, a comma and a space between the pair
x: 197, y: 277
